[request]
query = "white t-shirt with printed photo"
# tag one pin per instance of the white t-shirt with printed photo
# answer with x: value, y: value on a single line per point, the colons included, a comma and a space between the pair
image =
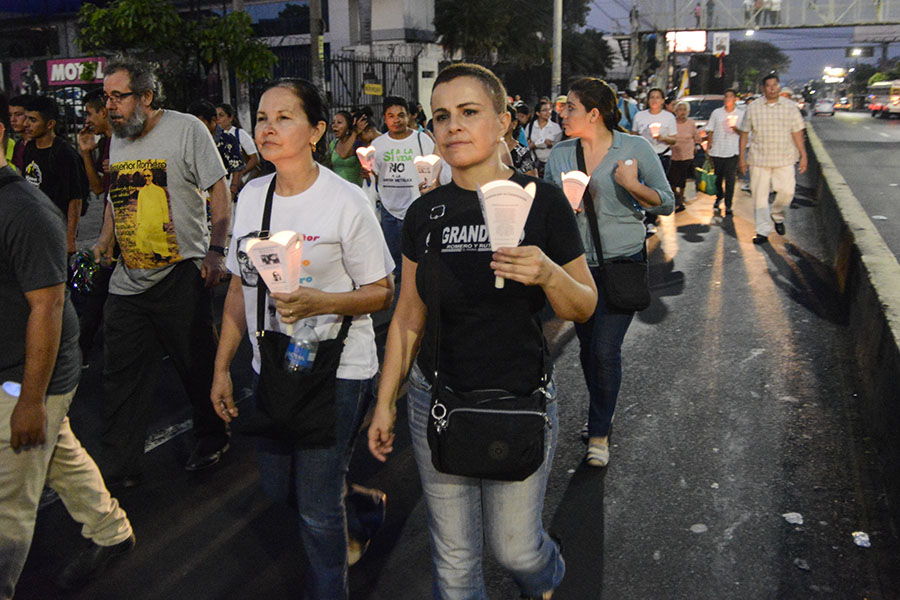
x: 343, y: 249
x: 668, y: 127
x: 398, y: 180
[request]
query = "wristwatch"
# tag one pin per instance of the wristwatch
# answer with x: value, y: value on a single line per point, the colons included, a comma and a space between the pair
x: 217, y: 249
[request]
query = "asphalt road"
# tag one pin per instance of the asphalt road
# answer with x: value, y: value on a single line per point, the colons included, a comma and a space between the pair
x: 866, y: 151
x: 738, y: 405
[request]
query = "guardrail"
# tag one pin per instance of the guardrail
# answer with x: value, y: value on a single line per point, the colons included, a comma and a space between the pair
x: 868, y: 276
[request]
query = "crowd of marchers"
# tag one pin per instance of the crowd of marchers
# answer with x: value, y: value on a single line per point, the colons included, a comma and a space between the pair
x: 186, y: 197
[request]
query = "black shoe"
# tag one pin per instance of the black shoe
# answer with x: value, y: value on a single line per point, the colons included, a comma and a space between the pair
x: 779, y: 228
x: 206, y: 453
x: 760, y: 239
x: 728, y: 212
x: 90, y: 564
x: 125, y: 482
x: 680, y: 208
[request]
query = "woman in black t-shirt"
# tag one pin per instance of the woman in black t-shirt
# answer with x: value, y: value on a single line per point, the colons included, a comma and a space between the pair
x: 489, y: 338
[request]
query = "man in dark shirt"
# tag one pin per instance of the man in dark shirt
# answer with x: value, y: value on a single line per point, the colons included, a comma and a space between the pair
x: 52, y: 165
x: 95, y: 151
x: 39, y: 370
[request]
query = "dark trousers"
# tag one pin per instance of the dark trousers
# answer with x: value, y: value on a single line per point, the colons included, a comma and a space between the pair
x: 173, y: 317
x: 726, y: 171
x: 600, y: 341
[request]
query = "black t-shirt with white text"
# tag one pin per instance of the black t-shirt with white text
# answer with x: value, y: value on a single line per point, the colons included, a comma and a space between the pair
x: 490, y: 338
x: 56, y: 171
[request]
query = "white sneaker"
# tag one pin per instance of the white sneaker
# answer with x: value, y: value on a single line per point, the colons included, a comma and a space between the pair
x: 651, y: 229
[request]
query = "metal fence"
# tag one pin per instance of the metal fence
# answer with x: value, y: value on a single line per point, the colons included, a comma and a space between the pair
x: 346, y: 77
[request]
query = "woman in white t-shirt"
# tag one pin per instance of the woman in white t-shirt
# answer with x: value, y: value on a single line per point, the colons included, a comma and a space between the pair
x: 542, y: 134
x: 226, y: 117
x: 346, y: 268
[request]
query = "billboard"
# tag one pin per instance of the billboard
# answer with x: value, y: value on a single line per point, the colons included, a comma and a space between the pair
x: 686, y: 41
x: 37, y: 76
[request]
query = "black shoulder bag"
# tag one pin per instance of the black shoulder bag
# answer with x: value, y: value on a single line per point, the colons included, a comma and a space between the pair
x: 624, y: 282
x: 296, y: 407
x: 488, y: 434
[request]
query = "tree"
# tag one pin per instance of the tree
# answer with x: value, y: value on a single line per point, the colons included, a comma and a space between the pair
x: 752, y: 59
x: 517, y: 32
x: 185, y: 46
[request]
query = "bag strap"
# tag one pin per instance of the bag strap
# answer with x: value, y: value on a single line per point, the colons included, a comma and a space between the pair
x: 419, y: 139
x: 588, y: 202
x: 262, y: 290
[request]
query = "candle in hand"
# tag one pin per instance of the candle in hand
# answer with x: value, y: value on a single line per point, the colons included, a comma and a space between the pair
x: 654, y: 129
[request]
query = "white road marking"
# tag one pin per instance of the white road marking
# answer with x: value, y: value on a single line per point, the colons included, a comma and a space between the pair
x: 883, y: 134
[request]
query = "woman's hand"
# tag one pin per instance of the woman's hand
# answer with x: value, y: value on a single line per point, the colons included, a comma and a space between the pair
x: 626, y: 174
x: 222, y: 396
x: 381, y: 430
x: 299, y: 304
x: 526, y: 264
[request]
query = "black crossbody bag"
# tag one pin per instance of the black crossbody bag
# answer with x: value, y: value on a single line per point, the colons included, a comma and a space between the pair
x: 295, y: 407
x: 488, y: 434
x: 624, y: 282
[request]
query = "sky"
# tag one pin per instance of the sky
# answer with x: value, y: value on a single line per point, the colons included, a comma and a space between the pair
x: 810, y: 50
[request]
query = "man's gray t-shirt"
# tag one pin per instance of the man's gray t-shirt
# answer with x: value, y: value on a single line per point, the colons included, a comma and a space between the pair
x: 155, y: 187
x: 32, y: 256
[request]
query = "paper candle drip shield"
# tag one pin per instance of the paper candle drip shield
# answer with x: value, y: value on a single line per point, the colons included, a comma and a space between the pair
x: 573, y: 185
x: 278, y: 260
x: 428, y: 167
x: 654, y: 129
x: 366, y: 156
x: 505, y: 205
x: 732, y: 120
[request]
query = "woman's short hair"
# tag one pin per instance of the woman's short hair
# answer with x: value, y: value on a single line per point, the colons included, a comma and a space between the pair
x: 682, y: 103
x: 596, y: 93
x: 492, y: 84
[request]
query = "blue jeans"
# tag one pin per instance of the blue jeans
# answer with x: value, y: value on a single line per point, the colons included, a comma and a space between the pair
x: 463, y: 512
x: 314, y: 478
x: 392, y: 228
x: 601, y: 359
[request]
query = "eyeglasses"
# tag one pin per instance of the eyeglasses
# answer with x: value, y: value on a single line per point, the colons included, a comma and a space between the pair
x: 116, y: 97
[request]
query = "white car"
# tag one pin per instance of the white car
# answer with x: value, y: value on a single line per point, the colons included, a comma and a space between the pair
x: 824, y: 106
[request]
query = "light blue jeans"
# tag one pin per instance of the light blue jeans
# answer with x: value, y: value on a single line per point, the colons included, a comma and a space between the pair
x: 392, y: 228
x: 463, y: 512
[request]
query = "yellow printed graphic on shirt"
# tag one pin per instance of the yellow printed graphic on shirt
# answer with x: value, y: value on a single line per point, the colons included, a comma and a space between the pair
x: 143, y: 213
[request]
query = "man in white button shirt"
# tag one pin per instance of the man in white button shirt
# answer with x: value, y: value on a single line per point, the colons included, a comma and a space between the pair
x: 776, y: 145
x: 724, y: 148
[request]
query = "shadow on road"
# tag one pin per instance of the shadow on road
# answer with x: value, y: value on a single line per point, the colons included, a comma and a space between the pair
x: 581, y: 537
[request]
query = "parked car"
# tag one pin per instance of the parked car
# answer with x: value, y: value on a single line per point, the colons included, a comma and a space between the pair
x: 842, y: 104
x: 824, y: 106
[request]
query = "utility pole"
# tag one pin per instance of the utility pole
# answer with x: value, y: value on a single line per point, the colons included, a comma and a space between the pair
x: 243, y: 88
x: 556, y: 69
x: 316, y: 45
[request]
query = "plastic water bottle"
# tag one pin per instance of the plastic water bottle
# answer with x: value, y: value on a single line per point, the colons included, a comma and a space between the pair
x: 301, y: 351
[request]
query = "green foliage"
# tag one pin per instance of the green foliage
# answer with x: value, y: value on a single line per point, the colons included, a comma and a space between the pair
x: 512, y: 32
x: 155, y: 28
x: 752, y: 59
x: 585, y: 53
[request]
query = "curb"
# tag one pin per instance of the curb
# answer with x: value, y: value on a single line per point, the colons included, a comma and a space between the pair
x: 868, y: 278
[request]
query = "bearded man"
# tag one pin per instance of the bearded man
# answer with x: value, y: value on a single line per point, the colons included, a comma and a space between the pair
x: 160, y: 294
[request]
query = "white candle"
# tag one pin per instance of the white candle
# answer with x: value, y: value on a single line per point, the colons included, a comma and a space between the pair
x: 654, y: 129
